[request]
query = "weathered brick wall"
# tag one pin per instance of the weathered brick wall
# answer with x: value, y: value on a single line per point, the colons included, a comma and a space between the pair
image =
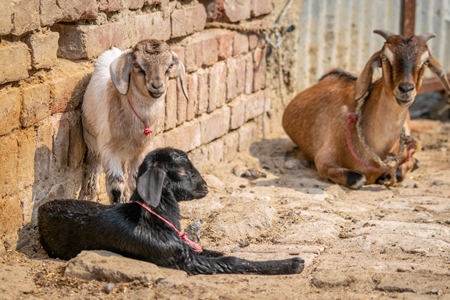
x: 47, y: 50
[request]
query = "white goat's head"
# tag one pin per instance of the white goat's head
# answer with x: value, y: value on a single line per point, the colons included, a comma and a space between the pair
x: 403, y: 61
x: 148, y: 66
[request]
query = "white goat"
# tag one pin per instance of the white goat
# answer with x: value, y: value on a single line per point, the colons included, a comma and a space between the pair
x: 319, y: 119
x: 122, y: 102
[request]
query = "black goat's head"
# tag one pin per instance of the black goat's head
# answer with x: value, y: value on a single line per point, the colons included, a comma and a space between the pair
x: 169, y: 170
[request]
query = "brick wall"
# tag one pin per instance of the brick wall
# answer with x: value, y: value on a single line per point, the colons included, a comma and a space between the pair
x: 47, y: 53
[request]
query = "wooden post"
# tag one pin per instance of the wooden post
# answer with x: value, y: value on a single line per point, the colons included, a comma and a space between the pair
x: 409, y: 17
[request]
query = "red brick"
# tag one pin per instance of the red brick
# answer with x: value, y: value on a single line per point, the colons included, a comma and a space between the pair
x: 158, y: 141
x: 10, y: 218
x: 256, y: 105
x: 53, y: 11
x: 209, y: 51
x: 10, y: 100
x: 192, y: 105
x: 230, y: 146
x: 134, y: 4
x: 215, y: 125
x: 171, y: 105
x: 25, y: 17
x: 225, y: 45
x: 8, y: 164
x: 42, y: 157
x: 152, y: 26
x: 88, y: 41
x: 240, y: 43
x: 197, y: 17
x: 193, y: 56
x: 68, y: 83
x: 109, y: 5
x: 15, y: 62
x: 152, y: 2
x: 259, y: 69
x: 35, y: 104
x: 237, y: 109
x: 181, y: 105
x: 247, y: 135
x: 27, y: 144
x: 199, y: 157
x: 248, y: 73
x: 236, y: 10
x: 240, y: 75
x: 217, y: 86
x: 60, y: 138
x: 185, y: 137
x: 5, y: 18
x: 180, y: 51
x: 255, y: 40
x: 159, y: 126
x: 187, y: 21
x: 261, y: 7
x: 203, y: 91
x: 77, y: 149
x: 215, y: 152
x: 44, y: 47
x: 231, y: 79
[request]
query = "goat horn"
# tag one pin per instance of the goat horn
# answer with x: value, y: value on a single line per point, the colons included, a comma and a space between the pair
x: 384, y: 33
x: 425, y: 37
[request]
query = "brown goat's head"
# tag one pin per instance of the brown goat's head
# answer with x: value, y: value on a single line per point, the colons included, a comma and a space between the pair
x: 403, y: 61
x: 148, y: 66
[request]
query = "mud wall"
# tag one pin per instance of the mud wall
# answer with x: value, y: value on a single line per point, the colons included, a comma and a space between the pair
x: 47, y: 51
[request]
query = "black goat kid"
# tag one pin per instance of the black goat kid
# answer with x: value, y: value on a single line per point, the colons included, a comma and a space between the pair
x: 165, y: 177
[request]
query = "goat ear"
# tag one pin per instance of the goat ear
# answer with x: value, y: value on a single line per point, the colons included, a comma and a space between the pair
x: 365, y: 78
x: 181, y: 74
x: 120, y: 70
x: 437, y: 69
x: 149, y: 185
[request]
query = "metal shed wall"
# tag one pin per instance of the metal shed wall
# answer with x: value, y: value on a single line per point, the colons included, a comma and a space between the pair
x: 434, y: 16
x: 339, y: 33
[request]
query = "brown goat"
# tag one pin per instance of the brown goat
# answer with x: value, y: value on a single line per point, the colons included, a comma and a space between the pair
x: 319, y: 120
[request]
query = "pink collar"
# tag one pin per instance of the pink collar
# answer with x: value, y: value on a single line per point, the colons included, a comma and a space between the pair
x: 352, y: 118
x: 183, y: 236
x: 147, y: 129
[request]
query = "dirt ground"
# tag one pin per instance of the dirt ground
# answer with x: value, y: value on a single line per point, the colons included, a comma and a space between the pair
x: 374, y: 243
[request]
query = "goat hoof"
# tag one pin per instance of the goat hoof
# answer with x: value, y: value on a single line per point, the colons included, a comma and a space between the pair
x: 298, y: 265
x: 355, y: 180
x: 117, y: 196
x: 416, y: 165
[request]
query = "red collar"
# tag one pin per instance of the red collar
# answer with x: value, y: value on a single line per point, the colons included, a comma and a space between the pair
x: 183, y: 236
x: 147, y: 129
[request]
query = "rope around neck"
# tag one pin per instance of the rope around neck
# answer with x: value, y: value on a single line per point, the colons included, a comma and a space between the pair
x: 147, y: 129
x: 389, y: 165
x: 183, y: 236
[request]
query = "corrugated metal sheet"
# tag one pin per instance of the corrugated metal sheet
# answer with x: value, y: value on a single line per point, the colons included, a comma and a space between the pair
x: 339, y: 33
x: 434, y: 16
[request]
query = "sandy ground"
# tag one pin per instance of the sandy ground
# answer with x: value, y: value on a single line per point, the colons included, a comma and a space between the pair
x: 374, y: 243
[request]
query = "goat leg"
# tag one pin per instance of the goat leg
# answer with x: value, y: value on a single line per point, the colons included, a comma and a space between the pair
x: 234, y: 265
x: 338, y: 174
x: 91, y: 185
x: 116, y: 189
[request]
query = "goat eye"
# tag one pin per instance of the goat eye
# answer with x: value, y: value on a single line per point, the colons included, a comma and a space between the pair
x: 425, y: 64
x: 383, y: 57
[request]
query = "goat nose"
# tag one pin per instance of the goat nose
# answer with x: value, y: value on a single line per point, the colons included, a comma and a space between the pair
x: 156, y: 85
x: 405, y: 87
